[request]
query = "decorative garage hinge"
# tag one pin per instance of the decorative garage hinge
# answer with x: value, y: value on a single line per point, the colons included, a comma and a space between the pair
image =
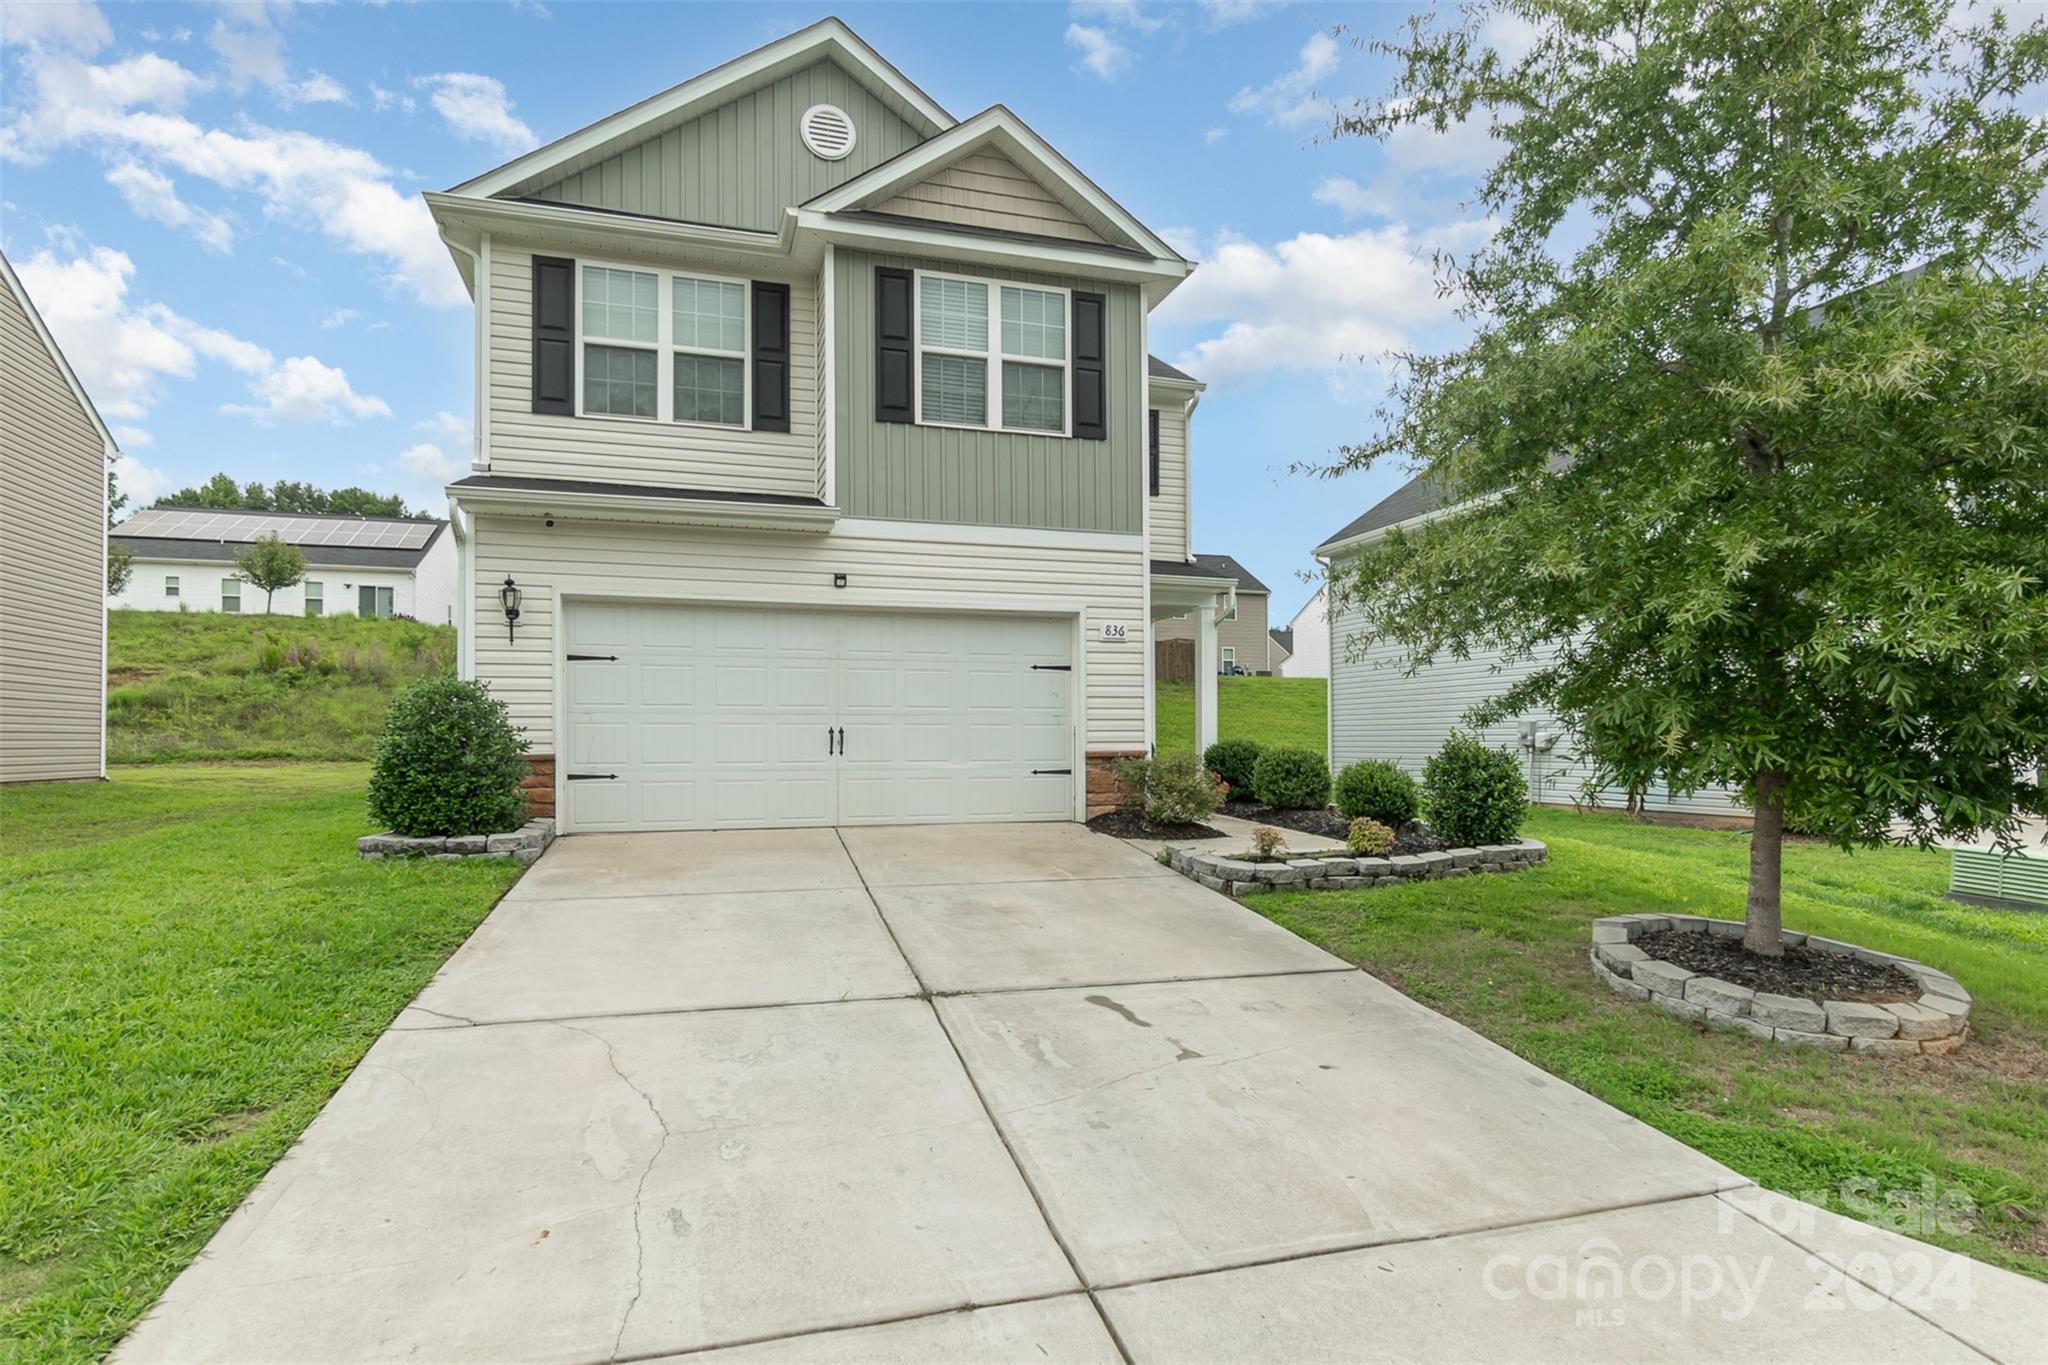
x: 1052, y: 772
x: 592, y: 658
x: 1052, y: 668
x: 593, y: 777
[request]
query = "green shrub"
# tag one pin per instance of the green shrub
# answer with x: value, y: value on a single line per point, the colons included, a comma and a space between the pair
x: 449, y: 762
x: 1171, y: 789
x: 1474, y: 795
x: 1293, y: 779
x: 1368, y: 838
x: 1233, y: 761
x: 1268, y: 843
x: 1378, y: 790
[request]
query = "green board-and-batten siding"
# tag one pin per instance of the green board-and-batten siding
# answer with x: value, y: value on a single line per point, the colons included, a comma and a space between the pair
x: 743, y: 163
x: 918, y: 473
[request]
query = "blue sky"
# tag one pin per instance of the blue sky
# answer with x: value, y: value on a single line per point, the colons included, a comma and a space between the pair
x: 216, y: 208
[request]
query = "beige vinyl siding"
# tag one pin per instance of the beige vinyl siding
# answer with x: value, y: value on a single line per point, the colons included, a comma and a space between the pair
x: 1377, y: 711
x: 791, y: 569
x: 628, y: 450
x: 987, y: 189
x: 1247, y: 634
x: 1170, y: 508
x: 52, y: 577
x: 905, y: 472
x: 743, y: 163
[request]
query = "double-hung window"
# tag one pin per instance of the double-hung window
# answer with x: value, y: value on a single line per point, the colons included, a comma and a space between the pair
x: 170, y: 585
x: 991, y: 355
x: 663, y: 347
x: 231, y: 594
x: 316, y: 597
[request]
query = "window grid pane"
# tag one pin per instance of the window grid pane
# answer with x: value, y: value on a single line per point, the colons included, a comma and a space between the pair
x: 954, y: 314
x: 709, y: 389
x: 955, y: 390
x: 1033, y: 397
x: 710, y: 314
x: 621, y: 305
x: 618, y: 381
x: 1034, y: 323
x: 230, y: 595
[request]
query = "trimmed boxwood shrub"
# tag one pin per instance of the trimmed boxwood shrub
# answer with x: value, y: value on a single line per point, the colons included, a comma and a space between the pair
x: 1377, y: 790
x: 1474, y: 795
x: 1170, y: 789
x: 449, y: 762
x: 1233, y: 761
x: 1293, y: 779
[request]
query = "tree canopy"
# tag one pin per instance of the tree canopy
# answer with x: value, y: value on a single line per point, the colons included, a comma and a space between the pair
x: 270, y: 564
x: 1751, y: 437
x: 287, y: 495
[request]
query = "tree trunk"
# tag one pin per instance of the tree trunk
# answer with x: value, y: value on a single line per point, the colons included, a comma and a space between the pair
x: 1761, y: 922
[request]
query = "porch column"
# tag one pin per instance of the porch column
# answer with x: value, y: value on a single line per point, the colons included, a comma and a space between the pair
x: 1205, y: 677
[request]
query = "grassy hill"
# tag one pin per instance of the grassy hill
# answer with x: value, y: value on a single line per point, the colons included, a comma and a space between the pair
x: 1284, y: 711
x: 186, y: 686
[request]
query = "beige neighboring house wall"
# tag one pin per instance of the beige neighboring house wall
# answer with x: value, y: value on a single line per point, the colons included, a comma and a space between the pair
x: 53, y: 460
x: 1246, y: 635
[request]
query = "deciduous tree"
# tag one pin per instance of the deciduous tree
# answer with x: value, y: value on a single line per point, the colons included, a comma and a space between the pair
x: 270, y: 564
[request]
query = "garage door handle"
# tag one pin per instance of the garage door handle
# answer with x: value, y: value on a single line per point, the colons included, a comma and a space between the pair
x: 590, y: 658
x: 1052, y: 772
x: 842, y: 741
x: 593, y: 777
x: 830, y: 747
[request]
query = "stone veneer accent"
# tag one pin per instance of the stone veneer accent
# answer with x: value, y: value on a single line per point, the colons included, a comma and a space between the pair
x: 522, y: 845
x: 1235, y: 876
x: 1105, y: 793
x: 1937, y: 1022
x: 538, y: 786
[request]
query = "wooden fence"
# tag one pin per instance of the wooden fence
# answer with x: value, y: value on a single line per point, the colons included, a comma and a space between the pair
x: 1173, y: 661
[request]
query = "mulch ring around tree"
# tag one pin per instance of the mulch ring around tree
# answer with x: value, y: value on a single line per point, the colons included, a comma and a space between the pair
x: 1411, y: 838
x: 1802, y: 971
x: 1129, y: 824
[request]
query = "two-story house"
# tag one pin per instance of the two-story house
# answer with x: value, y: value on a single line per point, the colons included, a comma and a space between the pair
x: 820, y: 472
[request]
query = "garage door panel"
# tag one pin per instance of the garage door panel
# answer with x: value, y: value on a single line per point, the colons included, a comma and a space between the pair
x: 718, y: 716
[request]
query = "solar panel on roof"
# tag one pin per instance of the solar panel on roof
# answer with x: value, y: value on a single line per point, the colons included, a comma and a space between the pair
x: 184, y: 523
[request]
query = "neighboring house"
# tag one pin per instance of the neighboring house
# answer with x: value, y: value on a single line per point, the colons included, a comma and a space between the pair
x: 1282, y: 649
x: 1241, y: 637
x: 355, y: 566
x: 54, y: 453
x: 1378, y: 711
x: 1308, y: 640
x: 815, y: 453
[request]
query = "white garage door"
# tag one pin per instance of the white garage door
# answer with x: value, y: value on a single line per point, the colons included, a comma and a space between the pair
x: 723, y: 717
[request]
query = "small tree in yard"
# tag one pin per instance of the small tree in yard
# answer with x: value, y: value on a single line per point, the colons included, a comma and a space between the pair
x: 449, y: 762
x: 1758, y: 475
x: 270, y: 564
x: 120, y: 567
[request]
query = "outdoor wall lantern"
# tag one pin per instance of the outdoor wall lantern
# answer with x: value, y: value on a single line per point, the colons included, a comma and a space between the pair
x: 508, y: 597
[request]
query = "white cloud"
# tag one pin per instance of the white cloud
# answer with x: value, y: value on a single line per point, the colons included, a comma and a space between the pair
x: 1315, y: 303
x: 426, y: 471
x: 152, y: 195
x: 1101, y: 54
x: 303, y: 391
x: 476, y: 107
x: 79, y: 27
x: 142, y: 484
x: 1218, y: 14
x: 1348, y: 197
x: 1213, y: 136
x: 132, y: 437
x: 340, y: 317
x: 382, y: 99
x: 317, y: 88
x: 127, y: 112
x: 448, y: 425
x: 123, y: 351
x: 1290, y: 100
x: 250, y: 49
x: 1122, y: 13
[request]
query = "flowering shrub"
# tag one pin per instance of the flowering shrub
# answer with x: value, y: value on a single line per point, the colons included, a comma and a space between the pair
x: 1368, y: 838
x: 1169, y: 789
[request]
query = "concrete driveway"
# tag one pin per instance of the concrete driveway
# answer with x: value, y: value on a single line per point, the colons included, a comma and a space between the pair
x: 997, y: 1093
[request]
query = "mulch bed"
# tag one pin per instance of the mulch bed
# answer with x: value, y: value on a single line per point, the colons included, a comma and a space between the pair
x: 1802, y: 971
x: 1126, y: 824
x: 1413, y: 837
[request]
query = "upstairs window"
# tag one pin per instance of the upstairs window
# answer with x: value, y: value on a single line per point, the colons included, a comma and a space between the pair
x: 663, y: 347
x: 992, y: 356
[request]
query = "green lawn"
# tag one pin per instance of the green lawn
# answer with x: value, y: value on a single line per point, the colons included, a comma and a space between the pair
x: 191, y: 960
x: 1273, y: 711
x: 1507, y: 956
x: 186, y: 686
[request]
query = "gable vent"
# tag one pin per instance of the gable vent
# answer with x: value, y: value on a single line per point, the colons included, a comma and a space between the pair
x: 827, y: 131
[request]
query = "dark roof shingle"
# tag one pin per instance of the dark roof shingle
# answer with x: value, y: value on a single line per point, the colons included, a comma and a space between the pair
x: 1230, y: 568
x: 1159, y: 369
x: 1411, y: 499
x: 1283, y: 636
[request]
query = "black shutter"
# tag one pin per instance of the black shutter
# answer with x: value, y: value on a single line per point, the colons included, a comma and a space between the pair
x: 771, y: 356
x: 1153, y: 413
x: 1091, y: 399
x: 892, y: 346
x: 554, y: 334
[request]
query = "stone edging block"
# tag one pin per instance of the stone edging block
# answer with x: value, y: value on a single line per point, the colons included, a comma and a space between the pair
x: 1342, y: 872
x: 1936, y: 1023
x: 522, y: 845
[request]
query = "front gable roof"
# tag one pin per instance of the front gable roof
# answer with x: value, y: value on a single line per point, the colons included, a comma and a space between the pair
x: 995, y: 134
x: 828, y: 39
